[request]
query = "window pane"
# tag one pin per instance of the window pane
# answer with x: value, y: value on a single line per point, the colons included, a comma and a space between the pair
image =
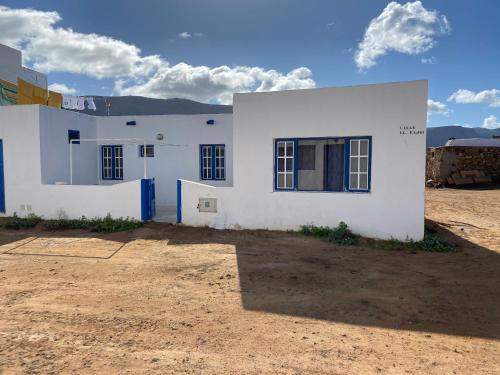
x: 281, y: 164
x: 363, y: 181
x: 363, y: 147
x: 289, y: 149
x: 289, y: 164
x: 281, y: 180
x: 354, y: 164
x: 363, y: 164
x: 289, y: 180
x: 353, y: 181
x: 307, y: 157
x: 281, y: 148
x: 354, y: 147
x: 150, y: 151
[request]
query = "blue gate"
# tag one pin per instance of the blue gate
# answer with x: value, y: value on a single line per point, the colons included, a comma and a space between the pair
x: 148, y: 209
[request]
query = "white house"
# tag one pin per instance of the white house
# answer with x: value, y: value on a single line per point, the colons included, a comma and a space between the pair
x: 103, y: 169
x: 282, y: 160
x: 321, y: 156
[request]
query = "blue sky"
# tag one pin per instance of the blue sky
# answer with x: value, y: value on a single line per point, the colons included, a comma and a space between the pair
x: 205, y: 50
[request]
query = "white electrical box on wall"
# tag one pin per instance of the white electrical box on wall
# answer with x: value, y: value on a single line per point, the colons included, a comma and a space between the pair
x: 207, y: 204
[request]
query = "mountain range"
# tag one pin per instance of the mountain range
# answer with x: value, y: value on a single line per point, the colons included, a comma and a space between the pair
x: 437, y: 136
x: 139, y: 105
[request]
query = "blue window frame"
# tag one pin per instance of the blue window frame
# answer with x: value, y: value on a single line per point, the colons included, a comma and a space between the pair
x: 213, y: 162
x: 73, y: 134
x: 358, y: 164
x: 112, y: 162
x: 356, y: 177
x: 150, y: 151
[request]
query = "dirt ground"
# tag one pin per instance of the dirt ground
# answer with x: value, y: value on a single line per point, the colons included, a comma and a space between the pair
x: 168, y: 299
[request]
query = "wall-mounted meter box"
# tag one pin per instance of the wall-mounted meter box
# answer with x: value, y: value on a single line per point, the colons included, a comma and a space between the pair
x: 207, y: 204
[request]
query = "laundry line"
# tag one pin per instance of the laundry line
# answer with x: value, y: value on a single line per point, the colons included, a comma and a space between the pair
x: 78, y: 102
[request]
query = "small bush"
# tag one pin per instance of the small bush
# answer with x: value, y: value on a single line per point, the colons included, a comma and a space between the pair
x: 431, y: 242
x: 311, y: 230
x: 16, y: 222
x: 341, y: 235
x: 106, y: 224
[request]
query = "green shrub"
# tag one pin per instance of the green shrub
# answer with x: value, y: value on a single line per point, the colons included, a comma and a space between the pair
x: 106, y: 224
x: 16, y: 222
x: 311, y: 230
x: 431, y: 242
x: 341, y: 235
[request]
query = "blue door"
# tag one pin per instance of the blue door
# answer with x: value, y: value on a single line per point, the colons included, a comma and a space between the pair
x: 334, y: 167
x: 148, y: 209
x: 2, y: 181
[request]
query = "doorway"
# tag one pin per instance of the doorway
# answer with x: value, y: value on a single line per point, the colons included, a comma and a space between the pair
x: 334, y: 167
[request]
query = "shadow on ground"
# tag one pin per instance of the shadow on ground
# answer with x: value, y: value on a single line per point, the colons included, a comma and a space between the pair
x: 284, y: 273
x: 287, y: 273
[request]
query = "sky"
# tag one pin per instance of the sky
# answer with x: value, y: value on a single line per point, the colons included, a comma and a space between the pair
x: 206, y: 50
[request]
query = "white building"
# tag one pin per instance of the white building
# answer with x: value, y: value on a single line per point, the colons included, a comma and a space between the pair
x: 101, y: 171
x: 320, y: 156
x: 11, y: 68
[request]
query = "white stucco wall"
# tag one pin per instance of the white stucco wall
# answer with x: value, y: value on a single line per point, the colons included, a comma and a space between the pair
x: 170, y: 162
x: 75, y: 201
x: 395, y: 205
x: 55, y: 148
x: 11, y: 68
x: 36, y: 154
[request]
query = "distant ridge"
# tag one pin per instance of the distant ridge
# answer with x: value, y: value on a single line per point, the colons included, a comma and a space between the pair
x: 139, y: 105
x: 438, y: 136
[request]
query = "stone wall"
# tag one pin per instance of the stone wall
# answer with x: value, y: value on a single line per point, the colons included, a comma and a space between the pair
x: 447, y: 163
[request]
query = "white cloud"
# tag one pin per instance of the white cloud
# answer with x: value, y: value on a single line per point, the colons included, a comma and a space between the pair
x: 489, y: 97
x: 49, y: 48
x: 410, y: 29
x: 186, y: 35
x: 428, y: 60
x: 491, y: 122
x: 214, y: 84
x: 435, y: 107
x: 62, y: 88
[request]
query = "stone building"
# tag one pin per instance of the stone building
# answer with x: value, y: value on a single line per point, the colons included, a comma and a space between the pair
x: 464, y: 161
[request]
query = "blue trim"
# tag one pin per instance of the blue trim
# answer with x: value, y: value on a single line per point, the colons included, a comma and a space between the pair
x: 347, y: 160
x: 179, y: 201
x: 73, y: 134
x: 147, y: 199
x: 213, y: 167
x: 295, y: 163
x: 113, y: 165
x: 2, y: 180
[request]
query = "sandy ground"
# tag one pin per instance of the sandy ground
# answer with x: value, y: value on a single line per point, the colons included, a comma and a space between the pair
x: 166, y: 299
